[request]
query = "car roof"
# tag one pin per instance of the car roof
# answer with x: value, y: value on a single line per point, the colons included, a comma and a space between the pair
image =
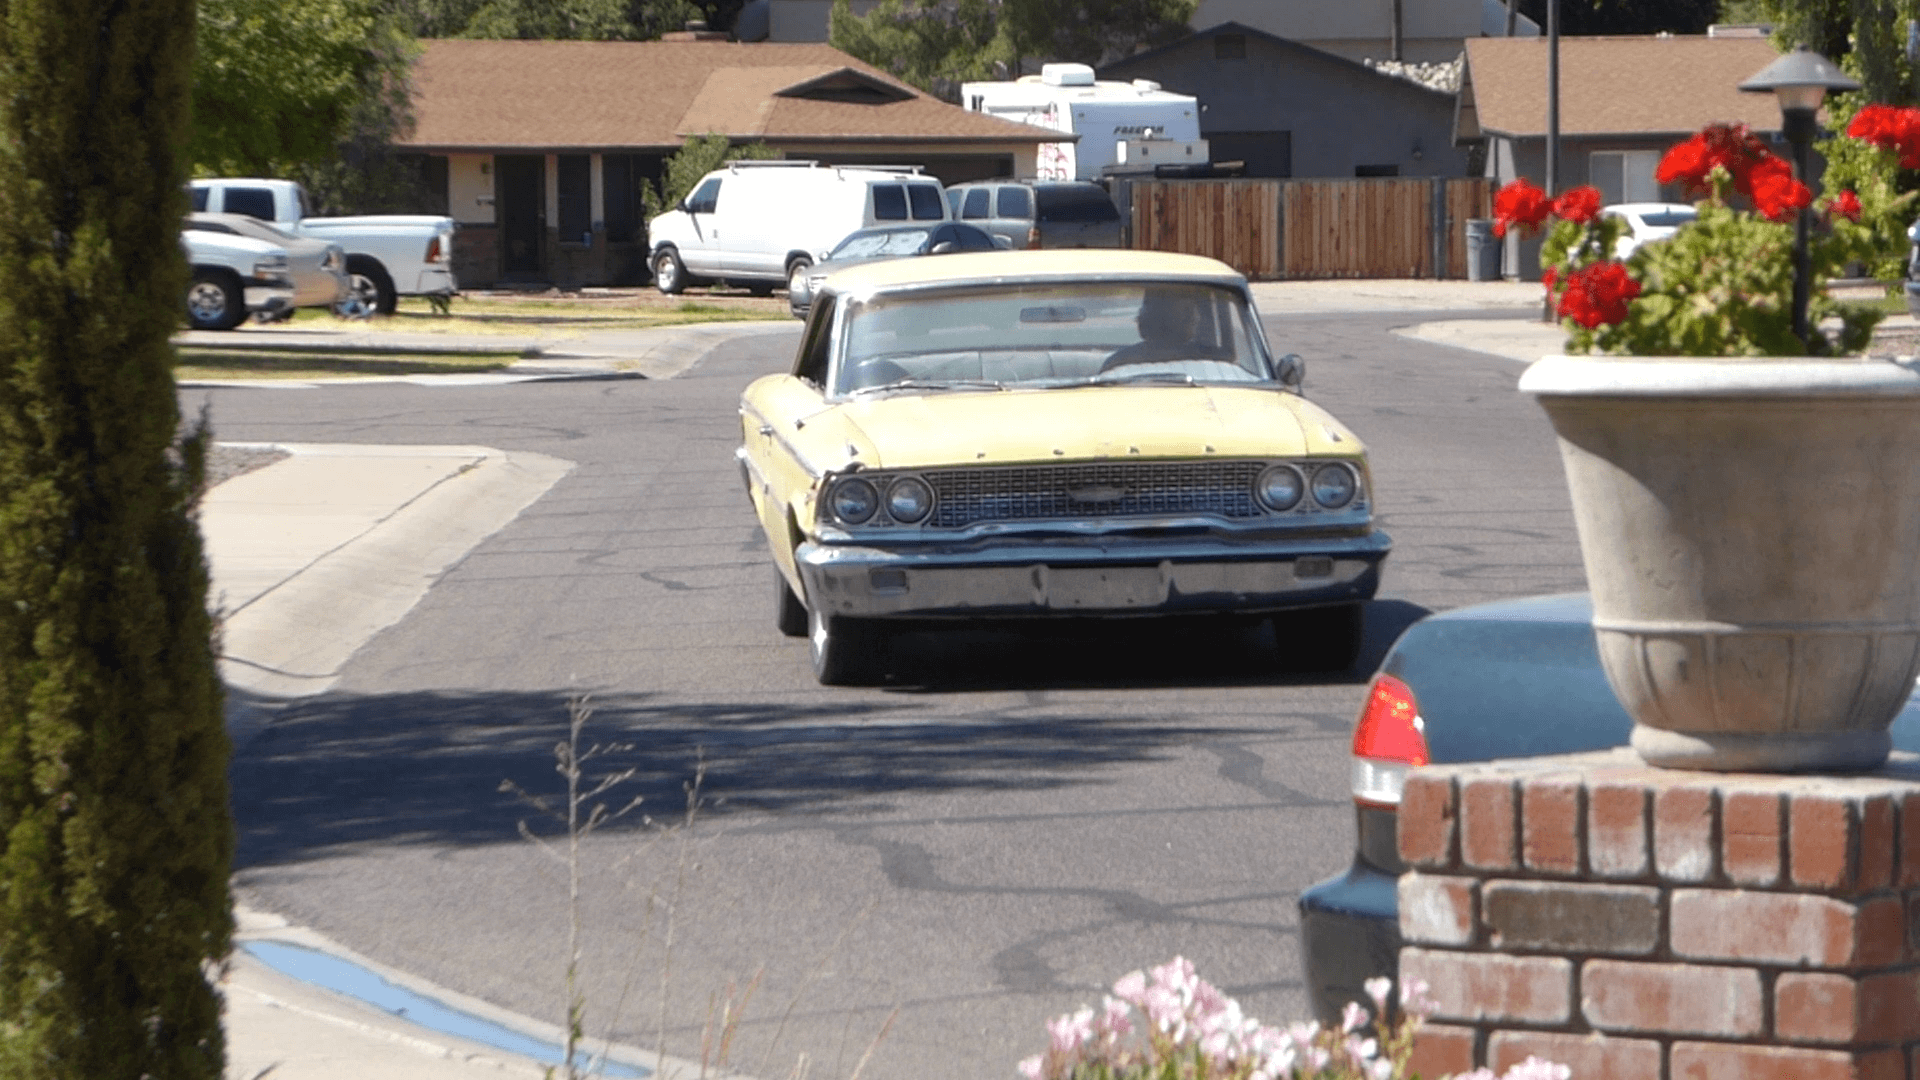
x: 1061, y: 264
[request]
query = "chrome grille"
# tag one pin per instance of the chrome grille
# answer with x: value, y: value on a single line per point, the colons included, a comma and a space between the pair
x: 965, y: 497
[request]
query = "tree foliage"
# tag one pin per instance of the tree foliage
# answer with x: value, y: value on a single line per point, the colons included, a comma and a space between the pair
x: 1867, y: 37
x: 1093, y: 32
x: 934, y: 44
x: 115, y: 840
x: 938, y: 44
x: 278, y: 86
x: 573, y: 20
x: 695, y: 159
x: 1581, y: 17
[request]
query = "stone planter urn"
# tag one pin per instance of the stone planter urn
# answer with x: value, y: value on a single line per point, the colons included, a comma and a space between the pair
x: 1751, y: 535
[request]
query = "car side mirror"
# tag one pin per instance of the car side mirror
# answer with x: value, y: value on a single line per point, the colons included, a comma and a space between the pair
x: 1291, y: 371
x: 944, y: 247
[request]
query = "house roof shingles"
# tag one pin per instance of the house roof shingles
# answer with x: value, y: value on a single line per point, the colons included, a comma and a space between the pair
x: 1663, y: 85
x: 494, y: 95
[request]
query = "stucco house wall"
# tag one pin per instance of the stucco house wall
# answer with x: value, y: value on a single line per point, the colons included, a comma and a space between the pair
x: 1337, y: 118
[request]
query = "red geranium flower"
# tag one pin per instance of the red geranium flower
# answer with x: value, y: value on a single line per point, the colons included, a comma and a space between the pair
x: 1549, y: 276
x: 1890, y: 128
x: 1777, y: 196
x: 1846, y: 205
x: 1598, y: 294
x: 1579, y: 205
x: 1519, y: 203
x: 1730, y: 146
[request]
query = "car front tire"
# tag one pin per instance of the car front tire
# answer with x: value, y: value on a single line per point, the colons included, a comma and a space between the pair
x: 797, y: 271
x: 1324, y: 639
x: 669, y: 273
x: 215, y: 301
x: 845, y: 652
x: 789, y: 614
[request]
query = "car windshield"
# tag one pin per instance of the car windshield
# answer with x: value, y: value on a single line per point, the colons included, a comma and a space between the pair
x: 868, y: 245
x: 1668, y: 219
x: 1075, y: 203
x: 1038, y: 335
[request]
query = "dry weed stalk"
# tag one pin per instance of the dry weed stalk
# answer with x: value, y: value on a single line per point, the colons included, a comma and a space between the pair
x: 583, y: 793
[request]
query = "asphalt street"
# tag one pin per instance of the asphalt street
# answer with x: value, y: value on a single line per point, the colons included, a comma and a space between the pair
x: 1013, y: 822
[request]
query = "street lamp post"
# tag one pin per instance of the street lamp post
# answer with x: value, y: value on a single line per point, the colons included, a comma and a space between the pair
x: 1801, y: 80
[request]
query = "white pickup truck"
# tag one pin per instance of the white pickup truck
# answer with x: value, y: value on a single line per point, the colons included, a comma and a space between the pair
x: 388, y: 255
x: 233, y: 277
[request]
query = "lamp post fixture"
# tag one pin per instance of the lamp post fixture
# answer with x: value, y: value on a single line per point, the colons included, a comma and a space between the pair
x: 1800, y: 80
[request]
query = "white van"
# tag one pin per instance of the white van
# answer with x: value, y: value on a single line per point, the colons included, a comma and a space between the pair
x: 762, y: 223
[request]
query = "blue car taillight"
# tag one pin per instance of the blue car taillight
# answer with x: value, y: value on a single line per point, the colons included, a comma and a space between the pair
x: 1388, y: 741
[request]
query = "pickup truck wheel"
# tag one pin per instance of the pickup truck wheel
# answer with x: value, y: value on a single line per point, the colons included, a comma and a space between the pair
x: 789, y: 614
x: 369, y: 288
x: 669, y: 273
x: 760, y: 288
x: 845, y: 652
x: 1324, y: 639
x: 215, y: 301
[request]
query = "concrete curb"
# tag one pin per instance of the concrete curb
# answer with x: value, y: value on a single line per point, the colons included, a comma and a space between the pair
x: 300, y: 1031
x: 316, y: 554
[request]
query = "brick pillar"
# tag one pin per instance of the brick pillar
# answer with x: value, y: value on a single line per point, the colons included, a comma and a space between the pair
x: 1652, y: 924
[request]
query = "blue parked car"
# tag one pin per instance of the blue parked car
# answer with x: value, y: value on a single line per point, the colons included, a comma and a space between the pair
x: 1513, y: 678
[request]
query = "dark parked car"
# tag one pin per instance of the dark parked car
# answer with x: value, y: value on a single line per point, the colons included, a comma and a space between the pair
x: 1514, y: 678
x: 1041, y: 213
x: 889, y: 242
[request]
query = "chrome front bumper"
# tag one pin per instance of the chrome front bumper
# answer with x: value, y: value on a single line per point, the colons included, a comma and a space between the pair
x: 1091, y: 576
x: 268, y: 297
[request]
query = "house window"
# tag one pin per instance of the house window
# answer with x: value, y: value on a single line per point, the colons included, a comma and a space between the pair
x: 1624, y: 176
x: 576, y: 198
x: 1230, y: 46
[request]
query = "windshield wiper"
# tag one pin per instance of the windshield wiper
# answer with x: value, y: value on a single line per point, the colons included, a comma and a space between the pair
x: 1178, y: 378
x: 929, y: 384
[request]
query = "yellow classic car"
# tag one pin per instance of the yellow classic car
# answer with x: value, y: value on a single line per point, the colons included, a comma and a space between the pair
x: 1052, y: 433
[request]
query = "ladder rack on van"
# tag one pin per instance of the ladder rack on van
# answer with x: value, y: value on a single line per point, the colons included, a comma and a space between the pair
x: 772, y: 163
x: 914, y: 170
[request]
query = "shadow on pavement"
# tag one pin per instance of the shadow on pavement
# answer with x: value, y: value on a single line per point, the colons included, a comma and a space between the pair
x: 427, y: 767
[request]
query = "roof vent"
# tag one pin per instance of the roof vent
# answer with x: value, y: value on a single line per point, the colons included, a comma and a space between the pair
x: 1066, y: 74
x: 1145, y: 86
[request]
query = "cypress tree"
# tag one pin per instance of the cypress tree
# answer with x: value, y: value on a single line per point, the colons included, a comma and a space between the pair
x: 115, y: 839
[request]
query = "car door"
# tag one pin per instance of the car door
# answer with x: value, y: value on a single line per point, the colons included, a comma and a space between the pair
x: 703, y: 256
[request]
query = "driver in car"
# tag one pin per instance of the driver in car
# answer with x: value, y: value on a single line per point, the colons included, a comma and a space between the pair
x: 1168, y: 321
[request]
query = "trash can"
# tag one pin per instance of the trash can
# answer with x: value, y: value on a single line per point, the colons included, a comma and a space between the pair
x: 1483, y: 250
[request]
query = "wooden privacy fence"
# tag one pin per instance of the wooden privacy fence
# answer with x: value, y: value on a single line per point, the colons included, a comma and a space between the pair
x: 1266, y: 229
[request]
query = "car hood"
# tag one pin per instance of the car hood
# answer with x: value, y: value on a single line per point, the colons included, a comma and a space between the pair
x: 978, y: 427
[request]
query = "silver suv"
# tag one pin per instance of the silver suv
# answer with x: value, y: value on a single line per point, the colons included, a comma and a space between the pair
x: 1040, y: 213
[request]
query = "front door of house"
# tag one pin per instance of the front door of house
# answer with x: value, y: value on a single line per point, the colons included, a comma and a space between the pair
x: 523, y: 212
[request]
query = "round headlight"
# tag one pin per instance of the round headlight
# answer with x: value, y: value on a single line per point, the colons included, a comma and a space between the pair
x: 854, y: 501
x: 1334, y: 486
x: 909, y: 500
x: 1280, y: 487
